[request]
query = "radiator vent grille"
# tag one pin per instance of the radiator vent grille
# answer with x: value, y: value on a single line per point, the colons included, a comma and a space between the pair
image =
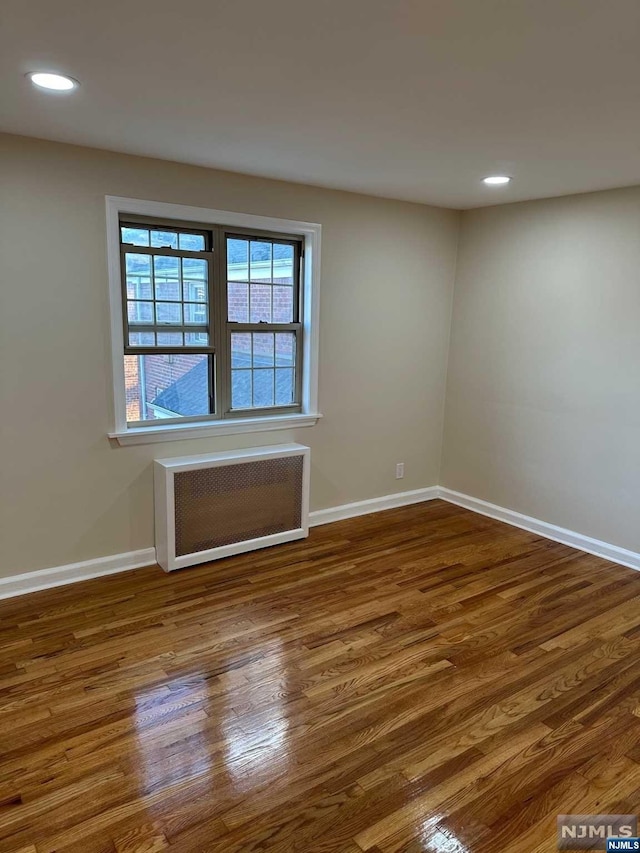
x: 228, y: 504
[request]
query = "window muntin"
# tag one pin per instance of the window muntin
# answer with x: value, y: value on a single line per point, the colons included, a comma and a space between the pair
x: 212, y: 322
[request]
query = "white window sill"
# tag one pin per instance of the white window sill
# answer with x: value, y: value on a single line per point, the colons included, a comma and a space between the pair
x: 232, y: 426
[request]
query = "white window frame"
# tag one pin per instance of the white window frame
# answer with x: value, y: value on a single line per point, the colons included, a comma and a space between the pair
x: 117, y: 207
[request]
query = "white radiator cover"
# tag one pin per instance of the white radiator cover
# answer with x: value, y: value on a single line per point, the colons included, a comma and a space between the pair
x: 219, y: 504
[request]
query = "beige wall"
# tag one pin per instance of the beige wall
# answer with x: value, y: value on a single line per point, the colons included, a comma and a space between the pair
x: 66, y: 494
x: 543, y: 394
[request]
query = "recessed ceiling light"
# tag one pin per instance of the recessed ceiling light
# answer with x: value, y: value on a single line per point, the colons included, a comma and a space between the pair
x: 495, y: 180
x: 53, y: 82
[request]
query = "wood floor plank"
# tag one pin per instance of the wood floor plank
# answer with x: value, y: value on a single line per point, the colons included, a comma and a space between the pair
x: 417, y: 680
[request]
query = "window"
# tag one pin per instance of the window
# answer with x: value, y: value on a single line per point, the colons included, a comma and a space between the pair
x: 216, y: 321
x: 182, y: 361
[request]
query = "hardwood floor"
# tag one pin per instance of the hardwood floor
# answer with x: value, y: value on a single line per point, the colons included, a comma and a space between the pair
x: 423, y: 679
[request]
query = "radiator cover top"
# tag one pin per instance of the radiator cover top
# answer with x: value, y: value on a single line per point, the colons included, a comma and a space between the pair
x: 220, y: 504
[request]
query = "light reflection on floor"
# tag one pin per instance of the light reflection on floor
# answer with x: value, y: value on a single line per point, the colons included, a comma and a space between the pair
x: 239, y: 747
x: 257, y: 755
x: 161, y: 760
x: 436, y: 838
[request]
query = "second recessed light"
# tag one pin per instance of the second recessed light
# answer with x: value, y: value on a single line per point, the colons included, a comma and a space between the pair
x: 496, y: 180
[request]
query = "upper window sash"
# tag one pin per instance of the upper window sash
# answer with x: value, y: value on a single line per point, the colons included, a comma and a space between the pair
x: 166, y: 288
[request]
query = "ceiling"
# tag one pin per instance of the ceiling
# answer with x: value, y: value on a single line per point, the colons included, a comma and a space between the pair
x: 411, y: 99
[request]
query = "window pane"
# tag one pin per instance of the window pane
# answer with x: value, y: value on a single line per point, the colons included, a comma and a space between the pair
x: 169, y: 312
x: 263, y: 387
x: 260, y: 303
x: 195, y: 314
x: 164, y: 239
x: 237, y: 260
x: 137, y: 236
x: 140, y: 312
x: 195, y: 268
x: 284, y: 386
x: 238, y: 302
x: 138, y: 272
x: 194, y: 291
x: 196, y: 339
x: 170, y: 339
x: 285, y: 349
x: 241, y: 349
x: 194, y: 275
x: 191, y: 242
x: 167, y: 289
x: 282, y: 264
x: 172, y: 386
x: 282, y: 304
x: 167, y: 277
x: 241, y: 389
x: 260, y: 267
x: 142, y: 339
x: 263, y: 346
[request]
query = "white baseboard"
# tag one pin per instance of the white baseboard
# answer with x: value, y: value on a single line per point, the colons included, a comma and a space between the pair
x: 631, y: 559
x: 61, y: 575
x: 73, y: 572
x: 338, y: 513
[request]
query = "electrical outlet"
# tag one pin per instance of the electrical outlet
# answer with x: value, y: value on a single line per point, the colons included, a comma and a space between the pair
x: 399, y: 470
